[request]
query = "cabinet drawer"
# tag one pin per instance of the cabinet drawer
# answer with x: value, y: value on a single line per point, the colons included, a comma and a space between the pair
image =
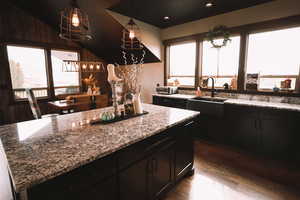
x: 80, y: 179
x: 170, y: 102
x: 237, y: 111
x: 138, y: 151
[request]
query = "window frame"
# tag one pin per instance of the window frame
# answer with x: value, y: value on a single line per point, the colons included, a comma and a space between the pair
x: 48, y: 64
x: 79, y: 75
x: 243, y: 31
x: 201, y: 76
x: 264, y: 30
x: 183, y: 76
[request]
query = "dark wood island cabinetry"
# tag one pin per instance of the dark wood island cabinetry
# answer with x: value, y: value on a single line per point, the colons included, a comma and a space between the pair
x: 140, y: 158
x: 145, y: 170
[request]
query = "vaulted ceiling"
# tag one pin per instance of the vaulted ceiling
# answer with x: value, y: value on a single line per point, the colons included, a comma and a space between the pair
x: 179, y: 11
x: 107, y: 32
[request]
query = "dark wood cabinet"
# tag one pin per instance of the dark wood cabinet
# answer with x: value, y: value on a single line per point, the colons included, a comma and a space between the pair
x: 279, y: 134
x: 161, y: 168
x: 145, y: 170
x: 266, y: 132
x: 169, y: 102
x: 105, y: 189
x: 134, y: 181
x: 184, y: 152
x: 242, y: 125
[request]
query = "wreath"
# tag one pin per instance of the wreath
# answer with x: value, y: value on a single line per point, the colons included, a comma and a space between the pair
x: 216, y: 33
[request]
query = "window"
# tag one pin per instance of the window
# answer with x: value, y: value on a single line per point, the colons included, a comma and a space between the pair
x: 28, y: 70
x: 223, y: 63
x: 64, y: 82
x: 183, y: 63
x: 275, y: 56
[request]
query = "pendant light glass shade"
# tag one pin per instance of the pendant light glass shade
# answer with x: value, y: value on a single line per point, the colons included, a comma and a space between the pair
x: 74, y: 24
x: 131, y: 37
x: 82, y: 66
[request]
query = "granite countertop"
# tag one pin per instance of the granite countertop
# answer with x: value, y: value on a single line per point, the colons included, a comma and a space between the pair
x: 253, y: 103
x: 265, y: 104
x: 176, y: 96
x: 39, y: 150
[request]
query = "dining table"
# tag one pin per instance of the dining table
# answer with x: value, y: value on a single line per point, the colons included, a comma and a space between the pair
x: 76, y: 101
x: 64, y: 106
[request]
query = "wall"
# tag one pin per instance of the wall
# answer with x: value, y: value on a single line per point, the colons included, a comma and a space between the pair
x: 17, y: 26
x: 152, y: 73
x: 263, y: 12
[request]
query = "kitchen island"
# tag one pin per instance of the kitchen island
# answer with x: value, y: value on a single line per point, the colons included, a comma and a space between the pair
x: 65, y: 157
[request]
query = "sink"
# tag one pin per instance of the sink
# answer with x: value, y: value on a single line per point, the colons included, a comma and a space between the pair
x: 208, y: 106
x: 214, y: 99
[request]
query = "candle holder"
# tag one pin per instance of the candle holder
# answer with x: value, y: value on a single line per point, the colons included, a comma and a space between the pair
x: 113, y: 85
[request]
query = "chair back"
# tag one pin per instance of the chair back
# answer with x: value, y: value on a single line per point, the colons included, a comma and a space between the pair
x: 101, y: 101
x: 35, y: 109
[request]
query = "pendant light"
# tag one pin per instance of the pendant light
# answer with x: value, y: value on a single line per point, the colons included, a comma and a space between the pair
x: 82, y: 66
x: 131, y: 38
x: 74, y: 24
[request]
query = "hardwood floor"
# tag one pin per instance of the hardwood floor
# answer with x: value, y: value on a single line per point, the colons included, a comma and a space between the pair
x: 222, y: 173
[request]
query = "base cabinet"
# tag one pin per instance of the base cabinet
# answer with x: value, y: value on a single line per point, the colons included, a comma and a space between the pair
x: 161, y: 170
x: 134, y: 181
x: 170, y: 102
x: 266, y: 132
x: 184, y: 159
x: 145, y: 170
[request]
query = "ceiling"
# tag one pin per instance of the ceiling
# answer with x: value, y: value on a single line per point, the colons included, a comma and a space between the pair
x: 179, y: 11
x: 106, y: 31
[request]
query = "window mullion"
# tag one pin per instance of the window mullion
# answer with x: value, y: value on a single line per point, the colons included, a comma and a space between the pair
x: 197, y: 63
x: 242, y: 62
x: 167, y: 64
x: 200, y: 62
x: 49, y: 74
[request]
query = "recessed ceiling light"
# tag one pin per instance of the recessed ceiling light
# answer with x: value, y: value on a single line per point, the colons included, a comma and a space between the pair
x: 166, y: 17
x: 209, y: 4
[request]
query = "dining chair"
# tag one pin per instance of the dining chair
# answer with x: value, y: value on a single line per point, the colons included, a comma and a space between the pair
x: 35, y: 109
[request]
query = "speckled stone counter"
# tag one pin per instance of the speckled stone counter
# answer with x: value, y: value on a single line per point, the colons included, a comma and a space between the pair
x: 244, y: 102
x: 39, y: 150
x: 264, y: 104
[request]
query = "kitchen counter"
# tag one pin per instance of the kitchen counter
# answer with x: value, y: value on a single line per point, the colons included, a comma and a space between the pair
x: 244, y: 102
x: 264, y: 104
x: 42, y: 149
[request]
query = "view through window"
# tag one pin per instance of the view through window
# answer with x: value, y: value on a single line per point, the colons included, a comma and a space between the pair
x: 183, y: 63
x: 64, y: 82
x: 275, y: 56
x: 28, y: 70
x: 221, y: 64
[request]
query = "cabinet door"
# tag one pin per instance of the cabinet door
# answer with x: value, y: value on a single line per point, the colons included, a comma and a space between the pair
x: 280, y: 134
x: 170, y: 102
x: 184, y: 151
x: 162, y: 170
x: 248, y: 134
x: 242, y: 127
x: 106, y: 189
x: 134, y: 181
